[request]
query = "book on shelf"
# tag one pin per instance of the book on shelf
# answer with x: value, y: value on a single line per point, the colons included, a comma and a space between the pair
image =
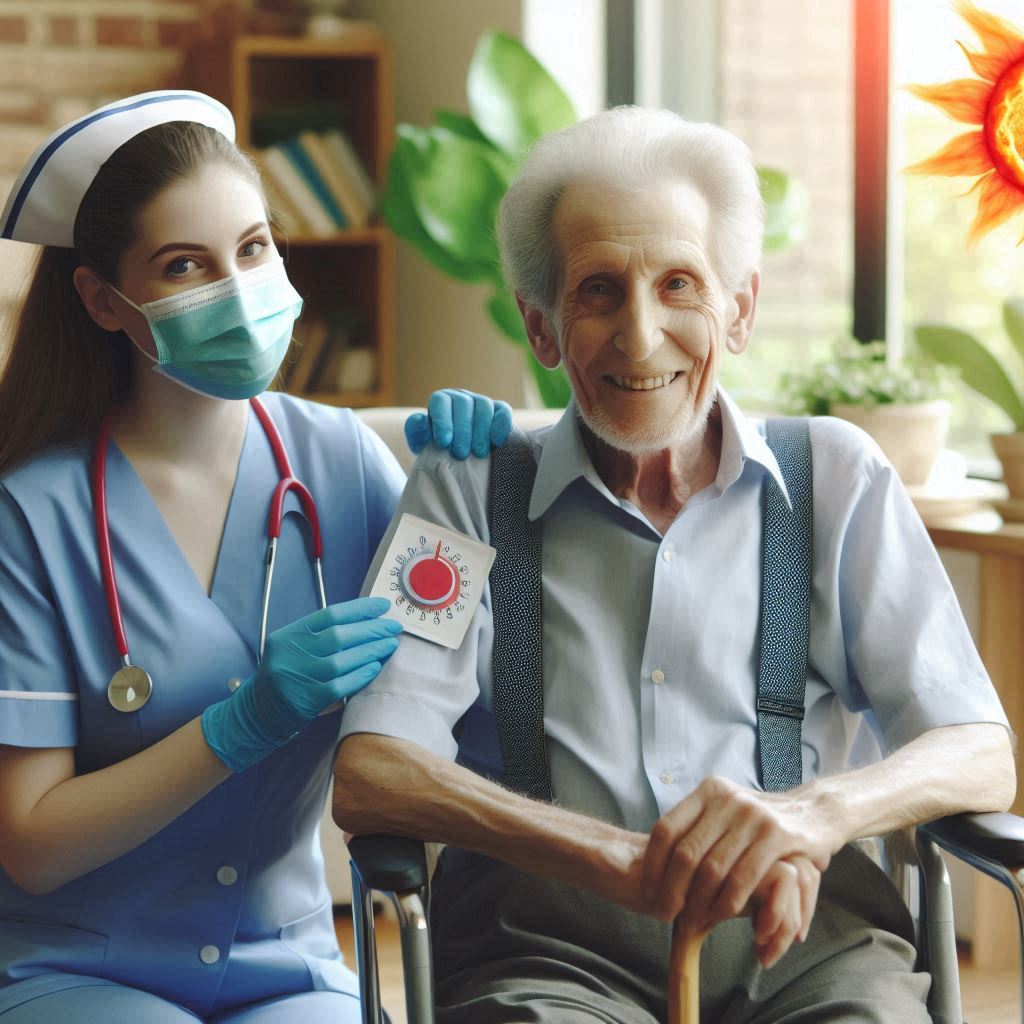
x: 304, y: 165
x: 283, y: 209
x: 356, y: 370
x: 289, y: 181
x: 345, y: 325
x: 341, y: 186
x: 311, y: 335
x: 341, y: 149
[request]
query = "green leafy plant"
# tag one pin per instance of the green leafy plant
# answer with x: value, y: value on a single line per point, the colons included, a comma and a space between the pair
x: 858, y: 374
x: 446, y: 181
x: 979, y: 367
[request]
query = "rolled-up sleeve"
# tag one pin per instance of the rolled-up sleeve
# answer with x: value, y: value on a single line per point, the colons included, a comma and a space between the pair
x: 38, y: 688
x: 911, y: 664
x: 425, y: 689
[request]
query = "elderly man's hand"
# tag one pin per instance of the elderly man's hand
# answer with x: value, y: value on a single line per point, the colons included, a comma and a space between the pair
x: 783, y: 907
x: 715, y: 855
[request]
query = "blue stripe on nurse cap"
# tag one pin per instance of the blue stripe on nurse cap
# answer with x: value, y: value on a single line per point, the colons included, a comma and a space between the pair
x: 44, y: 202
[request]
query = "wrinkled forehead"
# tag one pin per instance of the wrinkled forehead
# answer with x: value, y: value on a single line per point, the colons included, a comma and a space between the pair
x: 595, y: 221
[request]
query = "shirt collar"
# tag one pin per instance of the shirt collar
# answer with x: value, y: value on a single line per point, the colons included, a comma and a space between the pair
x: 564, y: 457
x: 743, y: 439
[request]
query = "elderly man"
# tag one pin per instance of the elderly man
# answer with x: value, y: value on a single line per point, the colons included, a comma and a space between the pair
x: 632, y: 240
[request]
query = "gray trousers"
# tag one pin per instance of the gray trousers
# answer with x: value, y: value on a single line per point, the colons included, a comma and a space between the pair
x: 511, y: 948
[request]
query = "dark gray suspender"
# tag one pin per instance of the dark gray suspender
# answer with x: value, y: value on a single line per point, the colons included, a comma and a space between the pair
x: 516, y: 603
x: 518, y: 688
x: 785, y: 606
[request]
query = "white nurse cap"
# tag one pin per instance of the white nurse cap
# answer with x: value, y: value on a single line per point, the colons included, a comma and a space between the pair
x: 44, y: 202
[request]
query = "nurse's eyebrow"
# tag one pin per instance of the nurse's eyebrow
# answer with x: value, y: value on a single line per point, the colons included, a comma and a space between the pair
x: 196, y: 247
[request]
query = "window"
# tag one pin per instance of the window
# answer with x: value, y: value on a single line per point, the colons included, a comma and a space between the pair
x: 783, y: 82
x: 944, y: 282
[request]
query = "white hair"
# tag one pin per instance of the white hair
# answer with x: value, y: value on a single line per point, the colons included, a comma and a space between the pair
x: 631, y: 148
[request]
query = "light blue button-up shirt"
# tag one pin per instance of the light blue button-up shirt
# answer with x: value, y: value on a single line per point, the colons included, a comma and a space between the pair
x: 651, y: 642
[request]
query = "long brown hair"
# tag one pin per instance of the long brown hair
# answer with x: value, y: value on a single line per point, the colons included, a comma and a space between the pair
x: 63, y: 372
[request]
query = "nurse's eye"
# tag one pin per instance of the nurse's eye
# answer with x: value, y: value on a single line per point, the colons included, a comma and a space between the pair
x: 254, y: 247
x: 180, y: 267
x: 678, y: 283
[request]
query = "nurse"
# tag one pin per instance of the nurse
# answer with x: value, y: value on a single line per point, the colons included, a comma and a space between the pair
x: 161, y: 784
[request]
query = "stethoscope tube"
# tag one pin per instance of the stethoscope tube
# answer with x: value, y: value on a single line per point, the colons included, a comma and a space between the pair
x: 131, y: 687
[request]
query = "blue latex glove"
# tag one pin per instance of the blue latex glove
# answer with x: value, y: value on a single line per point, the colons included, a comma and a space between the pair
x: 460, y: 421
x: 307, y: 666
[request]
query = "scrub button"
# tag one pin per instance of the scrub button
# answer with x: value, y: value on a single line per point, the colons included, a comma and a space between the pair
x: 657, y: 676
x: 667, y: 554
x: 234, y: 683
x: 209, y: 954
x: 667, y: 778
x: 227, y: 875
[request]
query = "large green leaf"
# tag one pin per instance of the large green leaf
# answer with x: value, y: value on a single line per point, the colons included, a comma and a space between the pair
x: 512, y: 98
x: 785, y: 201
x: 504, y: 313
x: 1013, y: 319
x: 980, y: 369
x: 398, y: 210
x: 460, y: 124
x: 456, y: 186
x: 553, y: 385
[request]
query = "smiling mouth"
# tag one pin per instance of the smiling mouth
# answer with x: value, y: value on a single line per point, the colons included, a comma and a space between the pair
x: 643, y: 383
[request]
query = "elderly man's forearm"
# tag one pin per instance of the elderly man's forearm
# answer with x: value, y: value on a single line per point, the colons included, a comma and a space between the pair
x: 399, y: 788
x: 945, y: 771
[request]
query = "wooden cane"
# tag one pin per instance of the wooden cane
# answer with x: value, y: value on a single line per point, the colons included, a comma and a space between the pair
x: 684, y: 978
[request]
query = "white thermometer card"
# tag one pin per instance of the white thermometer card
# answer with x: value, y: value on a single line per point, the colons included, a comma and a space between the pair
x: 434, y: 578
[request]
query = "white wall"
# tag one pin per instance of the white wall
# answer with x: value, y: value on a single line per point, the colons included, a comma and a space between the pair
x: 444, y: 335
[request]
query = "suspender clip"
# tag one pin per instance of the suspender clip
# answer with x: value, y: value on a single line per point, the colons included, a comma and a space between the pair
x: 774, y: 706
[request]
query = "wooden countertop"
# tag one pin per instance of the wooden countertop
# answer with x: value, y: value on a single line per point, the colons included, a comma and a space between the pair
x: 983, y: 532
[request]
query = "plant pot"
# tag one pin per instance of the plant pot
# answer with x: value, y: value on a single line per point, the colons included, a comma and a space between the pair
x: 1009, y: 449
x: 911, y: 436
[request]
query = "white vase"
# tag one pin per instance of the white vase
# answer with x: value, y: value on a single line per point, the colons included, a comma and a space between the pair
x: 911, y: 435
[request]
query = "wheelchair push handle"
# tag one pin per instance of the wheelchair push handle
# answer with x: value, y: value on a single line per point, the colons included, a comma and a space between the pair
x: 684, y: 978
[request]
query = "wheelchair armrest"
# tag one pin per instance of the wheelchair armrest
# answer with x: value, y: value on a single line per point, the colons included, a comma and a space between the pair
x: 390, y: 863
x: 995, y: 836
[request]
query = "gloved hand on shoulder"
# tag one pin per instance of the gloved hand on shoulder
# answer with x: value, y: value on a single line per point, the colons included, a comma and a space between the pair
x: 461, y: 421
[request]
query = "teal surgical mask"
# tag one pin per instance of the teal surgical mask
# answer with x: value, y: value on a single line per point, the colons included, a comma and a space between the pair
x: 226, y: 339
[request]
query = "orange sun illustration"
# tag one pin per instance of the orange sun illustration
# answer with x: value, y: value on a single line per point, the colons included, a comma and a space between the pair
x: 996, y: 104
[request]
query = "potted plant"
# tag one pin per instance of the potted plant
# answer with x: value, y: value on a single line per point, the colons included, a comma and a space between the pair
x: 983, y: 372
x: 446, y: 181
x: 901, y: 406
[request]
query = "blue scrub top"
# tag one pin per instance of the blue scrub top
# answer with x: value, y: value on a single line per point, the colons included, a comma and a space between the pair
x: 228, y: 903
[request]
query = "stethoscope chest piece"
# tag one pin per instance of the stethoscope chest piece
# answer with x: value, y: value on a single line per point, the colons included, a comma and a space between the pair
x: 130, y: 689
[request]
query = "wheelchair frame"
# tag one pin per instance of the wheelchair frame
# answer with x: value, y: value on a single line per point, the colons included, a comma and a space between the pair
x: 397, y: 867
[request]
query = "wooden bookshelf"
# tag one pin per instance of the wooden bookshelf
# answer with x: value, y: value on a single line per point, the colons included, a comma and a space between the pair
x: 353, y: 268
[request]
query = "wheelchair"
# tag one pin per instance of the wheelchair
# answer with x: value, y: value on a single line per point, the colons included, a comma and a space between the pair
x: 397, y: 867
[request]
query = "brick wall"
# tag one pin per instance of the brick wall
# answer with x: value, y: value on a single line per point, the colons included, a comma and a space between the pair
x: 60, y: 59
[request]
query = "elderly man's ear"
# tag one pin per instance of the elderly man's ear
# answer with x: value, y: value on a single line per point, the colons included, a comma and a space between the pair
x: 738, y: 334
x: 541, y: 334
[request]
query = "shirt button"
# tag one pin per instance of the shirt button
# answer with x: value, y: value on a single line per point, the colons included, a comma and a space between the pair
x: 234, y: 683
x: 667, y: 778
x: 667, y: 554
x: 209, y: 954
x: 227, y: 875
x: 657, y: 676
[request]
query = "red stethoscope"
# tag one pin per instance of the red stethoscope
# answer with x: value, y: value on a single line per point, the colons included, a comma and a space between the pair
x: 132, y: 686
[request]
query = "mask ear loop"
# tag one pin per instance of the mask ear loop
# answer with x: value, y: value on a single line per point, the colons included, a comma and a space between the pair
x: 121, y: 295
